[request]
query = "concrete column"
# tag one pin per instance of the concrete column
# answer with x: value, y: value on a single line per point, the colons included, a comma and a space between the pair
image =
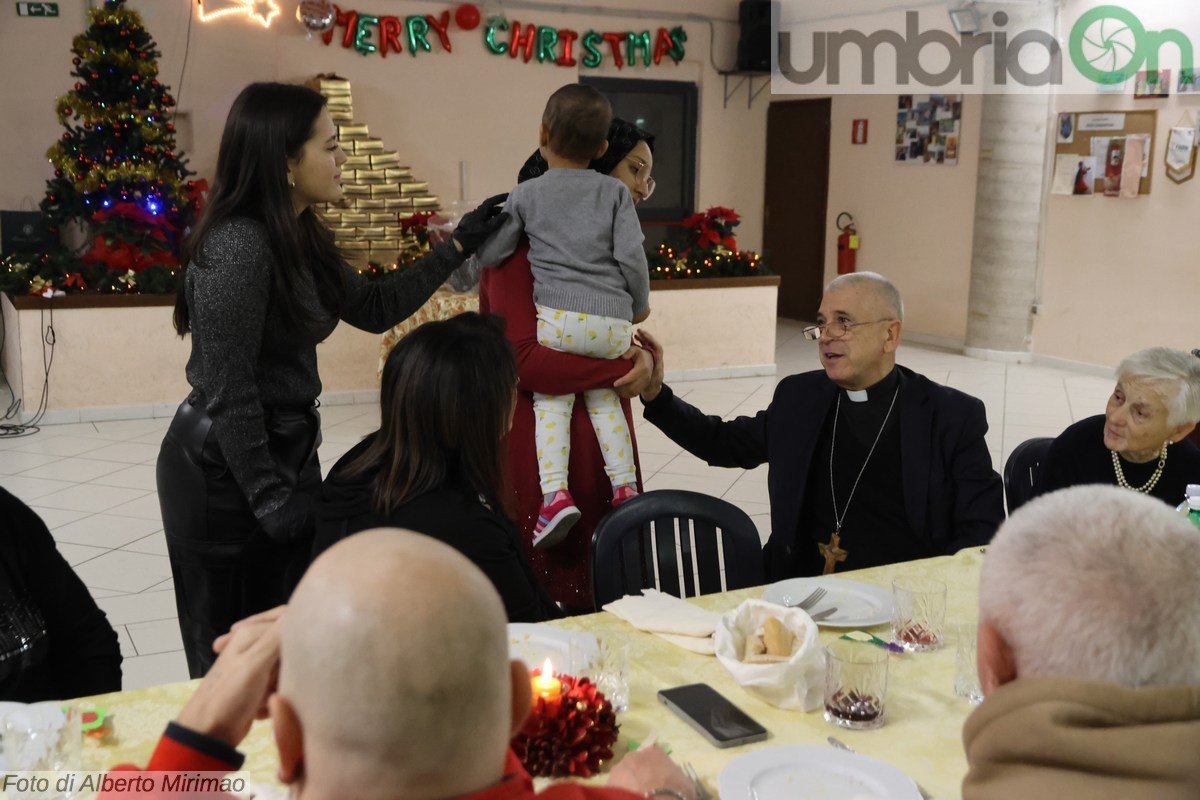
x: 1008, y: 212
x: 1009, y: 198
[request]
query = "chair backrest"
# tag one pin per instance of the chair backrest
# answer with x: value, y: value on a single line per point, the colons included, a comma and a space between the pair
x: 1020, y: 471
x: 682, y: 543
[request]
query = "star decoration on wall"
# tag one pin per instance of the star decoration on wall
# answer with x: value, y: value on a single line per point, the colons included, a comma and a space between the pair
x: 261, y: 10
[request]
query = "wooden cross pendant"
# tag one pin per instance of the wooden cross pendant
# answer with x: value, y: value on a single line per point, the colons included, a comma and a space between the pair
x: 832, y: 552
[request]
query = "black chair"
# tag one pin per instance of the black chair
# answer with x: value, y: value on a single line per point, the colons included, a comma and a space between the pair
x: 628, y: 540
x: 1020, y: 471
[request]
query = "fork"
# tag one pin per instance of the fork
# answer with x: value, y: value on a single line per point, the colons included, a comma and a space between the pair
x: 809, y: 601
x: 690, y: 771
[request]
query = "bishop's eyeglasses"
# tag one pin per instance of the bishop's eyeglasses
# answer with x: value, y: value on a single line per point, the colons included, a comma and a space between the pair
x: 838, y: 328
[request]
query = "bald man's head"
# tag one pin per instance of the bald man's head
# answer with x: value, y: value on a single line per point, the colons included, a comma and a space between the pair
x: 395, y: 659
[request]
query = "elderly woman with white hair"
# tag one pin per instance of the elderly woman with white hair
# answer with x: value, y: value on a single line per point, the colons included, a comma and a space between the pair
x: 1139, y: 443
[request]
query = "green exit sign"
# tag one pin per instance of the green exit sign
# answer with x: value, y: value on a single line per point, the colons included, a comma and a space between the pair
x: 37, y: 9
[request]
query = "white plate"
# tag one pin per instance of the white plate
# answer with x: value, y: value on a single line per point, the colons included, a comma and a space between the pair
x: 859, y: 605
x: 809, y: 772
x: 533, y: 643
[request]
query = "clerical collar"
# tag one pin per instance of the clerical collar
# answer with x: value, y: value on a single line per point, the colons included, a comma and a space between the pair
x: 884, y: 387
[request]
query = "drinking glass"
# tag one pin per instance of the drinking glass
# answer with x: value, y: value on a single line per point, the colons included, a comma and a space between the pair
x: 611, y: 671
x: 966, y: 671
x: 855, y: 684
x: 918, y: 613
x: 44, y: 737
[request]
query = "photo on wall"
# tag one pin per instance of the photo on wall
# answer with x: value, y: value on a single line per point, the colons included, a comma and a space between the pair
x: 1189, y: 82
x: 928, y: 128
x: 1152, y: 83
x: 1065, y: 132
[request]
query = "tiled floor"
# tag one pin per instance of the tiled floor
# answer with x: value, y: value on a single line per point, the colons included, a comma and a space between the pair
x: 93, y: 483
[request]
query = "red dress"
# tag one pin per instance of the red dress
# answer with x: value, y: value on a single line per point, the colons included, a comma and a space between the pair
x: 564, y: 569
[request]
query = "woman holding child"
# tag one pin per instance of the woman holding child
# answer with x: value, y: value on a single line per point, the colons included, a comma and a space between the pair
x: 509, y: 290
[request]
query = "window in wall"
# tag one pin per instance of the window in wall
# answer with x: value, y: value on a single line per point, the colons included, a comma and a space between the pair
x: 666, y: 109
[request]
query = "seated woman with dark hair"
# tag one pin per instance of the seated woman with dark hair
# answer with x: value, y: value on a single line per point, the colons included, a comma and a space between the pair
x: 436, y: 464
x: 55, y: 643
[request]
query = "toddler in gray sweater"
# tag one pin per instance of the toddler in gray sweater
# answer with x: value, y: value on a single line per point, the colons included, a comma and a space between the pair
x: 590, y: 285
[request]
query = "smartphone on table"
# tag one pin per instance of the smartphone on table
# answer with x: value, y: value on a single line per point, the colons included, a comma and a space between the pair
x: 711, y: 713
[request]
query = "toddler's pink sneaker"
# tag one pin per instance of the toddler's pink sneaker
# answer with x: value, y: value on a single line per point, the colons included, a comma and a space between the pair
x: 623, y: 495
x: 555, y: 519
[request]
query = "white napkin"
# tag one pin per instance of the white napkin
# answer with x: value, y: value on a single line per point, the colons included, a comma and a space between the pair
x: 704, y: 645
x: 675, y: 620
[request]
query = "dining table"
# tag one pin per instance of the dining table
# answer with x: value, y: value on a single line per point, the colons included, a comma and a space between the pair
x: 921, y: 735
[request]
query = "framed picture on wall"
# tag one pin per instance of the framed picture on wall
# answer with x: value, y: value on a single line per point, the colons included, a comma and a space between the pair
x: 1151, y: 83
x: 928, y: 129
x: 1189, y: 82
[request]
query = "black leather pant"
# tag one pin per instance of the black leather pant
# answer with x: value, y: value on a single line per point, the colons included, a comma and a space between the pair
x: 225, y: 568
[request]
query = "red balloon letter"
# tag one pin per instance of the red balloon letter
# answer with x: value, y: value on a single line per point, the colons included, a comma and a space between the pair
x: 389, y: 35
x: 516, y: 42
x: 615, y: 40
x: 662, y: 45
x: 567, y: 37
x: 439, y: 27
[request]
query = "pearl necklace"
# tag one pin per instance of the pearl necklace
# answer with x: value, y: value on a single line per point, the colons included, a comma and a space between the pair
x: 1148, y: 485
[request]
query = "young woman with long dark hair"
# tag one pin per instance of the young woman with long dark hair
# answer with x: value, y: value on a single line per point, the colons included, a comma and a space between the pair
x: 262, y: 284
x: 436, y: 464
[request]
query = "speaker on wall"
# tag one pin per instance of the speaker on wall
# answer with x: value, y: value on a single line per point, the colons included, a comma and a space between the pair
x: 754, y: 40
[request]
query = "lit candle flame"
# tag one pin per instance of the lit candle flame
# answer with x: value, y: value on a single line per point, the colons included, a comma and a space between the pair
x: 545, y: 685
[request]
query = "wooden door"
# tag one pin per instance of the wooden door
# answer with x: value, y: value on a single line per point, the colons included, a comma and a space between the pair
x: 797, y: 191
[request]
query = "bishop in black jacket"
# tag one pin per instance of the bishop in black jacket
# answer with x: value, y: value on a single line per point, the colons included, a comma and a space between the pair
x: 869, y: 463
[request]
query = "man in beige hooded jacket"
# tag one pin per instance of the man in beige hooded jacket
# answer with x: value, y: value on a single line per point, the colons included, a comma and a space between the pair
x: 1089, y: 653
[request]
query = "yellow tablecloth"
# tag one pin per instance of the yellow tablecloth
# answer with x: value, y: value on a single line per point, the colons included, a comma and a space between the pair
x: 922, y: 735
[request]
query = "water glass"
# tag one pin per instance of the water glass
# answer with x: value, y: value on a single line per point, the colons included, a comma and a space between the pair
x: 918, y: 613
x: 611, y: 671
x: 43, y: 737
x: 966, y: 672
x: 855, y: 684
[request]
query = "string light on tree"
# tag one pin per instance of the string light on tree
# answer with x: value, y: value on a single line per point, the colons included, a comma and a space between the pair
x: 706, y: 248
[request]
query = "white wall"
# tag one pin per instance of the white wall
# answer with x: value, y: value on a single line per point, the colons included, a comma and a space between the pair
x: 1121, y: 275
x: 915, y: 221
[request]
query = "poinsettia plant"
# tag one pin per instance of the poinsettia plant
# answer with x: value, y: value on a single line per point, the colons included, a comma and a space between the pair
x: 415, y: 242
x: 705, y: 247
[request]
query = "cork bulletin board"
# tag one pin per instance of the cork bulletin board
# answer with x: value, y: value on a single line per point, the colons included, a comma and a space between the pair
x: 1082, y: 136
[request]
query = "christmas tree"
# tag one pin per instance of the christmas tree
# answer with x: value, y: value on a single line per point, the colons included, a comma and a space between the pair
x: 116, y: 173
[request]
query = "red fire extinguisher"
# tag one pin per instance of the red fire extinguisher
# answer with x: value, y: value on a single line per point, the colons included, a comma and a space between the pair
x: 848, y: 243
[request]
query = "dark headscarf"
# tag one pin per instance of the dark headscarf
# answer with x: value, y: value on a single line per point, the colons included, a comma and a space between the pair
x: 622, y: 138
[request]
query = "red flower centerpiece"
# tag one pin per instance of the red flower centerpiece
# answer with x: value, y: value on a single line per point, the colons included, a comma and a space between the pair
x: 571, y: 728
x: 707, y: 248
